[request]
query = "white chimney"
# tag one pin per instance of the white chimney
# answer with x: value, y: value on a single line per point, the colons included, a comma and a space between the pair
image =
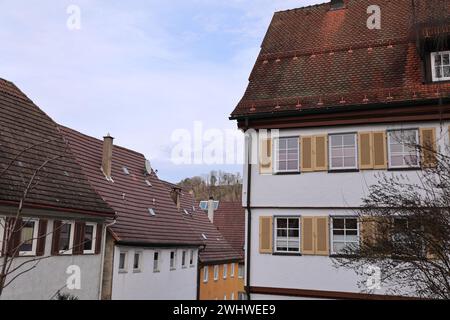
x: 107, y: 155
x: 211, y: 209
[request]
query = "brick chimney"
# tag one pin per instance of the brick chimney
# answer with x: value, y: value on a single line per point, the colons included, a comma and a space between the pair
x: 176, y: 197
x: 211, y: 209
x: 107, y: 156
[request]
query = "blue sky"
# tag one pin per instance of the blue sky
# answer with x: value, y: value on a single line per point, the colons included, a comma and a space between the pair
x: 137, y: 69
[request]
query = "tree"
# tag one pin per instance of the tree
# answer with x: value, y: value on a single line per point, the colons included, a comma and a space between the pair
x: 405, y: 232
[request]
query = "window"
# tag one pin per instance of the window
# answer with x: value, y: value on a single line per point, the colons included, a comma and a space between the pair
x: 90, y: 232
x: 125, y: 170
x: 2, y: 233
x: 123, y: 261
x: 183, y: 259
x: 287, y: 234
x: 232, y: 296
x: 191, y: 259
x: 343, y: 151
x: 66, y: 238
x: 403, y: 152
x: 233, y: 265
x: 216, y: 273
x: 225, y: 296
x: 225, y: 271
x: 156, y: 255
x: 241, y: 296
x: 241, y: 271
x: 28, y: 238
x: 205, y: 274
x: 137, y: 262
x: 440, y: 65
x: 151, y: 211
x: 173, y: 260
x: 345, y: 234
x: 204, y: 236
x: 287, y: 154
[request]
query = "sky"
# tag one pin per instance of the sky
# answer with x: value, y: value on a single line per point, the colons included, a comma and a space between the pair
x: 147, y: 72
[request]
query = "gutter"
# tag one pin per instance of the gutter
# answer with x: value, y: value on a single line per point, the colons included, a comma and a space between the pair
x: 103, y: 253
x: 249, y: 218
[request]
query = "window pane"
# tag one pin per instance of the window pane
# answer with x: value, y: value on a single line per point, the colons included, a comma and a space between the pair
x: 338, y: 223
x: 136, y: 261
x: 281, y: 223
x: 336, y: 141
x: 446, y: 71
x: 351, y: 223
x: 349, y: 140
x: 350, y: 162
x: 293, y: 223
x: 294, y: 233
x: 337, y: 152
x: 292, y: 165
x: 26, y: 237
x: 349, y: 152
x: 446, y: 59
x: 337, y: 162
x: 292, y: 143
x: 122, y: 261
x: 88, y: 236
x: 397, y: 160
x: 64, y: 237
x: 338, y: 246
x: 282, y: 233
x: 411, y: 160
x: 437, y: 60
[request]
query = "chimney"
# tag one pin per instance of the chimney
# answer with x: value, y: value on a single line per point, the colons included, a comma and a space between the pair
x: 176, y: 197
x: 211, y: 209
x: 337, y: 4
x: 107, y: 156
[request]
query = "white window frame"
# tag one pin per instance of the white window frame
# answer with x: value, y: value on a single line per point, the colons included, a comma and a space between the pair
x: 94, y: 238
x: 241, y: 267
x: 191, y: 259
x: 232, y: 296
x: 156, y: 263
x: 358, y: 233
x: 276, y: 143
x: 330, y: 148
x: 433, y: 66
x: 216, y: 272
x: 125, y: 262
x: 139, y: 268
x: 71, y: 237
x: 225, y: 297
x: 2, y: 233
x: 184, y: 259
x: 173, y: 262
x: 225, y: 271
x: 35, y: 236
x: 275, y: 236
x: 233, y: 266
x: 205, y: 274
x: 389, y: 134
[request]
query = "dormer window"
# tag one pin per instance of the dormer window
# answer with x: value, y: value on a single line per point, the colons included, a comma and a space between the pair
x: 440, y: 66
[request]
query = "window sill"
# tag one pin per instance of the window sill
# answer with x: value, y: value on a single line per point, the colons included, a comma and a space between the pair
x: 156, y: 271
x: 123, y: 271
x: 184, y: 267
x: 286, y: 173
x: 405, y: 169
x: 337, y: 255
x: 286, y: 254
x: 137, y: 271
x: 173, y: 269
x: 342, y: 170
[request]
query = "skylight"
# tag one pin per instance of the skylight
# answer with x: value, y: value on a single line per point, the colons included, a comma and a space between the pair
x: 125, y: 170
x: 151, y: 211
x: 147, y: 182
x: 185, y: 211
x: 204, y: 236
x: 204, y: 205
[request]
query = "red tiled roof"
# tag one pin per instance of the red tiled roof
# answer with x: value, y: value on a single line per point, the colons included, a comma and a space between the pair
x: 217, y: 248
x: 229, y: 218
x: 27, y: 133
x: 314, y: 57
x: 130, y: 196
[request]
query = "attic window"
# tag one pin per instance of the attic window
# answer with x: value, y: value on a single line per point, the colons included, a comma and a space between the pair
x: 204, y: 236
x: 337, y: 4
x: 440, y: 65
x: 125, y: 170
x: 185, y: 211
x: 147, y: 182
x: 151, y: 211
x: 204, y: 205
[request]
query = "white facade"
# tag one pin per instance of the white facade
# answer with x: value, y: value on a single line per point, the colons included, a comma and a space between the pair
x: 166, y: 282
x: 313, y: 194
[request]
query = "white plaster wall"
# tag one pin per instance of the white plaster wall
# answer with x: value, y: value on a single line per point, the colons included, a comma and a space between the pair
x: 178, y: 284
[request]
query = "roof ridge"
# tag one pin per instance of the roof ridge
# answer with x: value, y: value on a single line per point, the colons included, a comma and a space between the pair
x: 311, y: 6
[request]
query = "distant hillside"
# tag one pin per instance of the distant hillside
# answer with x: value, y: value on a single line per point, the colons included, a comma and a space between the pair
x: 220, y: 185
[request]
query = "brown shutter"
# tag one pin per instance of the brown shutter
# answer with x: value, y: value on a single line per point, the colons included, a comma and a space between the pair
x: 320, y: 151
x: 78, y: 238
x: 428, y: 145
x: 308, y: 235
x: 14, y: 241
x: 368, y: 227
x: 321, y: 236
x: 55, y: 237
x: 365, y: 150
x: 379, y: 150
x: 265, y: 234
x: 265, y: 156
x: 306, y: 163
x: 98, y: 238
x: 42, y: 237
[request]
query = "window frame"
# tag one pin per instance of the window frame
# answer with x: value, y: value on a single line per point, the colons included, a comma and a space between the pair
x: 205, y: 274
x: 183, y: 259
x: 140, y: 255
x: 94, y: 238
x: 191, y: 259
x: 31, y: 253
x: 233, y: 266
x: 225, y: 271
x: 433, y: 66
x: 241, y: 267
x: 173, y: 262
x: 275, y: 235
x: 330, y: 162
x: 275, y: 155
x: 2, y: 233
x: 358, y: 233
x: 156, y: 262
x: 71, y: 237
x: 216, y: 272
x: 390, y: 166
x: 125, y: 262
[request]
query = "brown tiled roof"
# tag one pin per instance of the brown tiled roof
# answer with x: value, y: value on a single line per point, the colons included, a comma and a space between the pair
x: 130, y: 195
x: 314, y: 57
x: 29, y: 138
x: 217, y: 249
x: 229, y: 218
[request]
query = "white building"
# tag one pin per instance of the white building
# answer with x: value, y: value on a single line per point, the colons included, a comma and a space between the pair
x: 345, y: 109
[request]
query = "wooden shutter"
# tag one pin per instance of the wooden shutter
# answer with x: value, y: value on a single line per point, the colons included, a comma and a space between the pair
x: 99, y: 238
x: 379, y: 150
x: 55, y: 237
x: 365, y: 150
x: 14, y: 241
x: 306, y: 163
x: 265, y: 156
x: 78, y: 238
x: 42, y: 237
x: 308, y: 236
x: 265, y: 234
x: 428, y: 145
x: 320, y: 151
x: 368, y: 227
x: 321, y: 236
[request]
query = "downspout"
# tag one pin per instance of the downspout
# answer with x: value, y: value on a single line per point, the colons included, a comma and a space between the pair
x: 199, y: 269
x: 103, y: 253
x: 249, y: 215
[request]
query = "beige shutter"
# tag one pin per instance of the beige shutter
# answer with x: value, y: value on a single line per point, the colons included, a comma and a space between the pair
x: 428, y: 145
x: 306, y: 163
x: 265, y: 235
x: 265, y: 156
x: 368, y: 227
x: 365, y: 150
x: 321, y: 236
x: 320, y: 151
x: 379, y: 150
x: 308, y: 236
